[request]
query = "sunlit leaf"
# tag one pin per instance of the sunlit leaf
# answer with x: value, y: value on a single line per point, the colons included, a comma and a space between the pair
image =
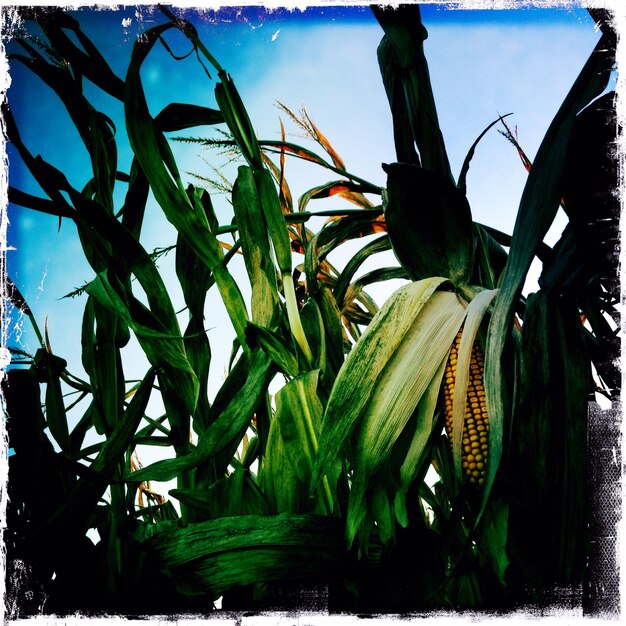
x: 366, y: 363
x: 404, y: 379
x: 255, y: 246
x: 345, y: 188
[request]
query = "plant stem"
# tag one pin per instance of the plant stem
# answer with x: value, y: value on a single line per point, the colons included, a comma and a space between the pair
x: 295, y: 323
x: 310, y: 429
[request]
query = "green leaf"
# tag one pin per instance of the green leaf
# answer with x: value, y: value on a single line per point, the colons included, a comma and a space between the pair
x: 394, y: 88
x: 299, y: 415
x: 461, y: 184
x: 178, y: 116
x: 198, y: 352
x: 381, y: 244
x: 275, y: 347
x: 194, y: 276
x: 94, y: 128
x: 102, y: 362
x: 236, y: 494
x: 38, y: 204
x: 489, y: 258
x: 77, y: 436
x: 493, y: 534
x: 281, y: 243
x: 429, y: 223
x: 380, y: 274
x: 108, y: 382
x: 359, y: 378
x: 255, y: 246
x: 549, y: 441
x: 566, y: 271
x: 333, y: 235
x: 382, y: 512
x: 591, y: 173
x: 56, y: 417
x: 229, y: 417
x: 118, y: 441
x: 157, y: 162
x: 403, y: 381
x: 196, y: 279
x: 274, y: 219
x: 333, y: 332
x: 298, y: 151
x: 345, y: 188
x: 405, y: 72
x: 210, y: 557
x: 165, y: 352
x: 423, y: 431
x: 278, y: 477
x: 48, y: 178
x: 128, y: 258
x: 539, y: 204
x: 79, y: 503
x: 236, y: 117
x: 153, y: 426
x: 86, y: 59
x: 313, y: 325
x: 251, y: 452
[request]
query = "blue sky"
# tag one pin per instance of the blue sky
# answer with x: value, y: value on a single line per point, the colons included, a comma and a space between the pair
x: 482, y: 64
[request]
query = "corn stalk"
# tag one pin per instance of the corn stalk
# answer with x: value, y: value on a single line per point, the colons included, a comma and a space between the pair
x: 329, y: 478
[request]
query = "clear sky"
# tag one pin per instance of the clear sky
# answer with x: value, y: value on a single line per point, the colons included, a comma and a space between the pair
x: 482, y: 64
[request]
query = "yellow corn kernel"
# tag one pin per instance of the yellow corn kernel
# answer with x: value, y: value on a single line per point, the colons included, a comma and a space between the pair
x: 476, y: 424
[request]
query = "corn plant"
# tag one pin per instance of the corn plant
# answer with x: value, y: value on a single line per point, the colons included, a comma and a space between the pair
x: 311, y: 465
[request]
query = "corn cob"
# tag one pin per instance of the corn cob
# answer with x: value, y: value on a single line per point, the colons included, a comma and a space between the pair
x: 475, y: 442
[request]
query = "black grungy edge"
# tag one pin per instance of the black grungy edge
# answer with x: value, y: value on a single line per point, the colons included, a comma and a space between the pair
x: 601, y: 587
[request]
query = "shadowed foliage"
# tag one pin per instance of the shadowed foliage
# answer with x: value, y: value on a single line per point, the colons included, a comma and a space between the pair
x: 368, y: 451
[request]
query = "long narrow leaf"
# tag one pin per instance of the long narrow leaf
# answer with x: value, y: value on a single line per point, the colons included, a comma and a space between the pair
x: 299, y: 414
x: 430, y: 223
x: 228, y: 420
x: 178, y: 116
x: 344, y: 188
x: 156, y: 161
x: 404, y: 29
x: 85, y: 495
x: 462, y: 183
x: 423, y: 430
x: 255, y: 246
x: 538, y: 206
x: 381, y: 244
